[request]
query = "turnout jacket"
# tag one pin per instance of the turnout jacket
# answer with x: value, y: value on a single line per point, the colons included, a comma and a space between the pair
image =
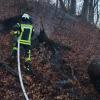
x: 25, y: 31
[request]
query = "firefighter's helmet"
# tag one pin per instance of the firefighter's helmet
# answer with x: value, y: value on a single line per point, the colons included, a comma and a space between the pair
x: 26, y: 16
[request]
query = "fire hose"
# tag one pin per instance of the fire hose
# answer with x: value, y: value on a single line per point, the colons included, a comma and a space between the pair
x: 19, y: 71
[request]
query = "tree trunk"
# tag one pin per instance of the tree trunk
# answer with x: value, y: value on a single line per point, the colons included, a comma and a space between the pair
x: 91, y: 12
x: 62, y: 5
x: 85, y: 10
x: 96, y: 4
x: 68, y: 4
x: 73, y: 7
x: 97, y: 14
x: 56, y: 6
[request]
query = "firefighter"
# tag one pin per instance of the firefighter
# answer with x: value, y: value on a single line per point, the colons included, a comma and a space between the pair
x: 25, y: 30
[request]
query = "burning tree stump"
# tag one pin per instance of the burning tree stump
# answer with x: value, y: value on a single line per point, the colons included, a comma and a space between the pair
x: 42, y: 37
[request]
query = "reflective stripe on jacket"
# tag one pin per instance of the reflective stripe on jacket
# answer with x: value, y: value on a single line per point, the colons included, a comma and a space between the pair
x: 26, y: 34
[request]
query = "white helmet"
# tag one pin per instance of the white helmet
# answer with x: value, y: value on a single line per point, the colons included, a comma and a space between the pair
x: 25, y: 16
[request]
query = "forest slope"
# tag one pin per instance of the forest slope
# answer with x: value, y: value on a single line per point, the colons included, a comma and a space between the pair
x: 59, y: 75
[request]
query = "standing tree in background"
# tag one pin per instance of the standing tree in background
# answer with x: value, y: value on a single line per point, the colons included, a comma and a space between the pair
x: 89, y: 8
x: 96, y: 10
x: 73, y: 7
x: 93, y: 7
x: 84, y: 13
x: 68, y: 3
x: 57, y: 2
x: 91, y: 12
x: 62, y: 5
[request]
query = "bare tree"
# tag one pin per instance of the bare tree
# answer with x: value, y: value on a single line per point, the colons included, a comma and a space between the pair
x: 88, y: 10
x: 91, y: 12
x: 57, y: 1
x: 73, y: 7
x: 57, y: 4
x: 62, y: 5
x: 84, y: 13
x: 96, y: 9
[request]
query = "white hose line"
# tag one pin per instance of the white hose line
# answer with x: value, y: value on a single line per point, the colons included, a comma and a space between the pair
x: 19, y: 71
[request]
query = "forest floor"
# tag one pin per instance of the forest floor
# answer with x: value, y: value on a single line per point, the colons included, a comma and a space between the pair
x: 59, y: 76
